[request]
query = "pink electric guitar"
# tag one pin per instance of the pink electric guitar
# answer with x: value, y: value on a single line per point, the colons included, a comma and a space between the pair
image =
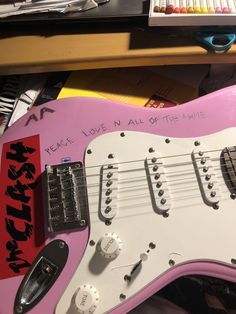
x: 102, y: 204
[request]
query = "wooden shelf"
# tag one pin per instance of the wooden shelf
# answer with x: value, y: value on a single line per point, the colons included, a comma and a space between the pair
x: 46, y: 52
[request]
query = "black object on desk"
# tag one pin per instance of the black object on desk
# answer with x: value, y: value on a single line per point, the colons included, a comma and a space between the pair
x: 112, y: 11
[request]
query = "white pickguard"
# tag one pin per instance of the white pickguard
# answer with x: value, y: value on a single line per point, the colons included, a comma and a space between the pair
x: 193, y: 230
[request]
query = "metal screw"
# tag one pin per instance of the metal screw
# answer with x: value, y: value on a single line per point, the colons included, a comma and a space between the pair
x: 107, y: 209
x: 109, y: 175
x: 89, y: 151
x: 200, y: 153
x: 82, y: 223
x: 108, y: 200
x: 165, y: 214
x: 107, y: 222
x: 216, y: 206
x: 233, y: 196
x: 171, y: 262
x: 122, y: 296
x: 61, y: 244
x: 155, y: 168
x: 109, y: 183
x: 110, y: 156
x: 159, y: 184
x: 127, y: 278
x: 205, y: 169
x: 157, y: 176
x: 233, y: 261
x: 167, y: 140
x: 152, y: 245
x: 91, y: 242
x: 108, y: 192
x: 213, y: 194
x: 163, y: 201
x: 161, y: 192
x: 210, y: 185
x: 151, y: 150
x: 203, y: 160
x: 19, y: 309
x: 207, y: 177
x: 196, y: 143
x: 122, y: 134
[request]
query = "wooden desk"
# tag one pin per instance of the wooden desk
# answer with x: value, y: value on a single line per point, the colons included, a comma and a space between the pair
x: 135, y: 46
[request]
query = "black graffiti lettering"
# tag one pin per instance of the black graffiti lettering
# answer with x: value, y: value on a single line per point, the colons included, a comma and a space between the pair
x: 12, y: 247
x: 24, y: 213
x: 16, y: 234
x: 27, y: 168
x: 43, y: 110
x: 31, y: 117
x: 17, y: 192
x: 16, y: 267
x: 20, y: 151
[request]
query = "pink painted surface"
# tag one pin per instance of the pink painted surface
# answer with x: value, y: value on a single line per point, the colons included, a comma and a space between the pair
x: 81, y: 120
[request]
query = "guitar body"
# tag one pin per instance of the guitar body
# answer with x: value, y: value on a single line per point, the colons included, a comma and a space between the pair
x: 156, y: 192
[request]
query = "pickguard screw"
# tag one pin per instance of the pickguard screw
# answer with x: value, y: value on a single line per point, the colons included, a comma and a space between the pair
x: 233, y: 196
x: 89, y: 151
x: 91, y: 242
x: 152, y: 245
x: 61, y: 244
x: 110, y: 156
x: 216, y: 206
x: 122, y: 296
x: 107, y: 222
x: 127, y: 278
x: 196, y: 143
x: 165, y: 214
x: 151, y: 150
x: 82, y: 223
x: 167, y: 140
x: 154, y: 159
x: 171, y: 262
x: 122, y: 134
x: 19, y: 309
x: 233, y: 261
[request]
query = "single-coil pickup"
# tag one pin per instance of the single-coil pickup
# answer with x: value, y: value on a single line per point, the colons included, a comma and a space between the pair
x: 206, y: 177
x: 109, y: 191
x: 157, y: 184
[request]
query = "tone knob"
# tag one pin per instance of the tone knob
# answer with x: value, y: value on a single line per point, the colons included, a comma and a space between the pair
x: 110, y: 245
x: 86, y: 299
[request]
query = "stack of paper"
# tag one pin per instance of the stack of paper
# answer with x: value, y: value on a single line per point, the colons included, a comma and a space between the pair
x: 17, y: 7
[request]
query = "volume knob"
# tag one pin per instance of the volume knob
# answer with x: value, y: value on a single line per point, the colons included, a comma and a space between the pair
x: 110, y: 245
x: 86, y: 299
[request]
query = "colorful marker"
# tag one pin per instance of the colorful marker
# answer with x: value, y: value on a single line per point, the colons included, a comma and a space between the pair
x: 231, y: 6
x: 177, y: 7
x: 210, y: 6
x: 156, y: 6
x: 163, y: 6
x: 183, y: 6
x: 217, y: 6
x: 204, y: 9
x: 196, y: 6
x: 224, y: 6
x: 190, y: 6
x: 170, y: 6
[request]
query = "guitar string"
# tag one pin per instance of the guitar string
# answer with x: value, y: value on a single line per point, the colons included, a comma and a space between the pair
x: 167, y: 174
x: 157, y: 157
x: 164, y: 166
